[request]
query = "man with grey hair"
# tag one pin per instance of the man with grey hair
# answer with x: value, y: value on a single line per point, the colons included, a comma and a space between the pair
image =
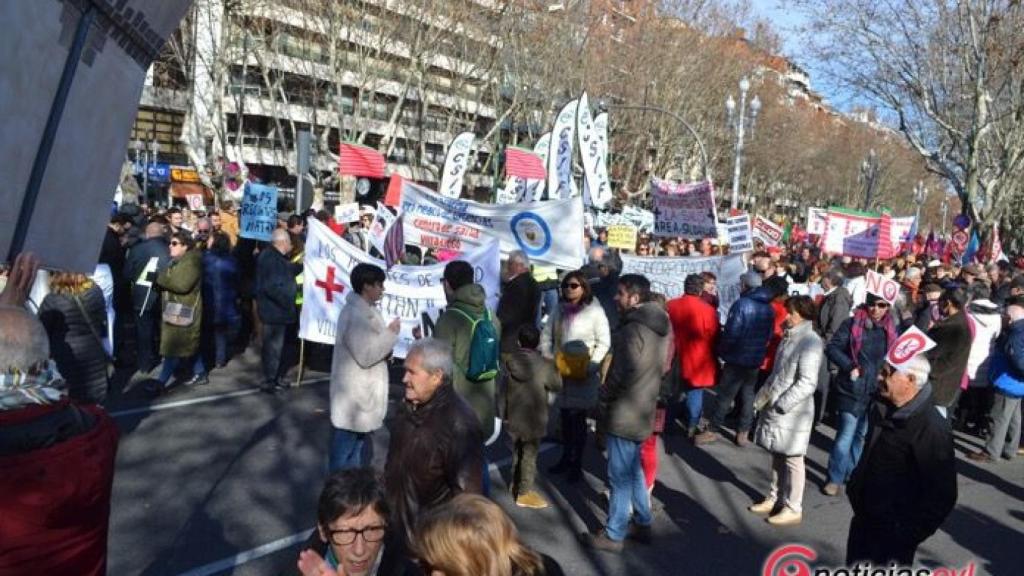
x: 907, y: 303
x: 519, y: 303
x: 436, y: 446
x: 275, y: 301
x: 905, y: 484
x: 742, y: 347
x: 45, y: 440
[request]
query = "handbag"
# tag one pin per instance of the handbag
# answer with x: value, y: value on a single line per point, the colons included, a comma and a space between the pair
x: 572, y: 360
x: 180, y: 314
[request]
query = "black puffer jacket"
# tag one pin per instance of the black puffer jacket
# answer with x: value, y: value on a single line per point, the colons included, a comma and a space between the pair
x: 78, y: 353
x: 631, y: 391
x: 435, y: 453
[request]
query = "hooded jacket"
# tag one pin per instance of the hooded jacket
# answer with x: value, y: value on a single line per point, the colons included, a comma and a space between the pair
x: 905, y: 483
x: 784, y: 425
x: 695, y: 330
x: 634, y: 378
x: 181, y: 282
x: 456, y: 329
x: 435, y: 452
x: 589, y: 327
x: 988, y: 323
x: 145, y: 297
x: 530, y: 377
x: 744, y: 341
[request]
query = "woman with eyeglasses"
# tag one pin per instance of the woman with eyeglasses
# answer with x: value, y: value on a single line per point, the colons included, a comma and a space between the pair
x: 578, y: 338
x: 353, y: 536
x: 182, y: 309
x: 857, y: 349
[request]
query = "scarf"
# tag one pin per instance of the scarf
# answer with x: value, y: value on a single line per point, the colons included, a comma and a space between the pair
x: 19, y: 389
x: 569, y: 313
x: 860, y: 321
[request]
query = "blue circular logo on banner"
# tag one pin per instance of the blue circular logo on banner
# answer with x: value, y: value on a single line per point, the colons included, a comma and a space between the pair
x: 531, y: 233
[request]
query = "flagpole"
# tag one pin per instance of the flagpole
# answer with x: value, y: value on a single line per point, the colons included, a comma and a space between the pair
x: 302, y: 356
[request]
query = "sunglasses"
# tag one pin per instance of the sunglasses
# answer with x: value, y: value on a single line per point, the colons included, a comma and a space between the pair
x: 176, y: 243
x: 882, y: 305
x: 573, y: 285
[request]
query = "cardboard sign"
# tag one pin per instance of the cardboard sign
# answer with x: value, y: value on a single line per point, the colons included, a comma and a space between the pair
x: 259, y: 212
x: 622, y: 237
x: 740, y: 236
x: 345, y: 213
x: 195, y: 201
x: 884, y: 288
x: 817, y: 221
x: 684, y: 210
x: 907, y: 346
x: 767, y: 231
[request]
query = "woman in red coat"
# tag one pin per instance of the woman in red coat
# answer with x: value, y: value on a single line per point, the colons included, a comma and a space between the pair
x: 695, y: 329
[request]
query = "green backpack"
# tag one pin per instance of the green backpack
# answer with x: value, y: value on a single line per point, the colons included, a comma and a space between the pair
x: 483, y: 348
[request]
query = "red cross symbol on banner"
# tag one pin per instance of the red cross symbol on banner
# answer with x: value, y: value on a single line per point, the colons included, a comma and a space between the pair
x: 329, y: 286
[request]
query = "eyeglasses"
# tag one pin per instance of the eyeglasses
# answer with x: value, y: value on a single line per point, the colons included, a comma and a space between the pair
x: 202, y: 232
x: 572, y: 285
x: 346, y: 537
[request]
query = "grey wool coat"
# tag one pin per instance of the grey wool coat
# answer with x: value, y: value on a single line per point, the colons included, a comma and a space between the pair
x: 359, y: 367
x: 786, y: 419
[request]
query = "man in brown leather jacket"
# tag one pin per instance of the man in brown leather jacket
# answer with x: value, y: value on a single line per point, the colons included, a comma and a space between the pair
x: 436, y: 447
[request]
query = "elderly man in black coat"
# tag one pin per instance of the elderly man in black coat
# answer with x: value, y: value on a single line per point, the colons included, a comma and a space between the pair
x: 520, y: 297
x: 905, y: 484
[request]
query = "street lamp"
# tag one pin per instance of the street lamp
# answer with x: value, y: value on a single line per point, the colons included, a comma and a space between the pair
x: 920, y: 195
x: 739, y: 124
x: 154, y: 147
x: 604, y: 106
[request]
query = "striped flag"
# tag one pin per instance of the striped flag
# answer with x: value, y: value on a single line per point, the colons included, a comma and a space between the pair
x: 524, y: 164
x: 394, y: 242
x: 359, y: 160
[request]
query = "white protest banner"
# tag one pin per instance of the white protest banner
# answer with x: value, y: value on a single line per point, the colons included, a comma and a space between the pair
x: 767, y: 231
x: 667, y: 275
x: 345, y: 213
x: 884, y: 288
x: 195, y: 202
x: 412, y: 293
x: 684, y: 210
x: 817, y: 219
x: 622, y: 237
x: 596, y: 188
x: 259, y: 212
x: 382, y: 221
x: 550, y: 233
x: 740, y: 238
x: 851, y: 233
x: 559, y: 158
x: 603, y: 196
x: 900, y: 229
x: 456, y: 162
x: 99, y: 53
x: 535, y: 188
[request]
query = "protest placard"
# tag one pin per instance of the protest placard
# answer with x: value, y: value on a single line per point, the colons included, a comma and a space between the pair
x: 667, y: 275
x: 622, y: 237
x: 740, y: 237
x: 767, y: 231
x: 259, y: 212
x: 816, y: 220
x: 851, y: 233
x: 684, y: 210
x: 382, y: 221
x: 549, y: 232
x: 884, y: 288
x: 412, y: 293
x: 345, y: 213
x: 195, y: 202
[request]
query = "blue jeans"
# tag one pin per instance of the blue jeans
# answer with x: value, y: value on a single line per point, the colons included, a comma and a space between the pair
x: 694, y: 402
x: 346, y: 450
x: 171, y: 364
x: 848, y: 446
x: 222, y: 335
x: 628, y: 490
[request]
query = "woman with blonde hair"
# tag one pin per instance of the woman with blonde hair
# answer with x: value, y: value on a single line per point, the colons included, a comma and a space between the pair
x: 472, y: 536
x: 75, y: 317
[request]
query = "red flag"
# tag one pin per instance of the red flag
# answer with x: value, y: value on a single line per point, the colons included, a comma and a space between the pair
x: 886, y: 246
x: 524, y: 164
x: 358, y: 160
x: 393, y: 197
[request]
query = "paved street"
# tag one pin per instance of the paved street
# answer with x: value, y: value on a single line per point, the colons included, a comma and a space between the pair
x: 224, y: 480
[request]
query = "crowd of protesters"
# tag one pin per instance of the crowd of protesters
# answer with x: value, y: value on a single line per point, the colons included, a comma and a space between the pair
x: 178, y: 294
